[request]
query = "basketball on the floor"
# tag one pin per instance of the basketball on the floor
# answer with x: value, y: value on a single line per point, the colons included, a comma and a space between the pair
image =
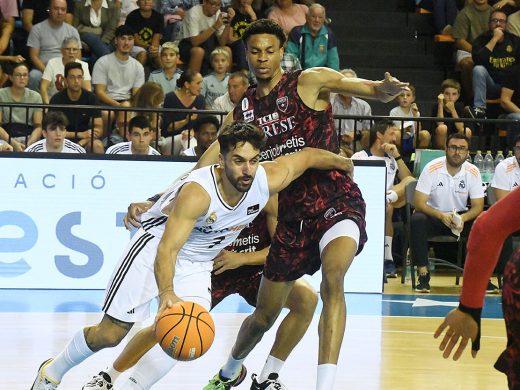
x: 185, y: 331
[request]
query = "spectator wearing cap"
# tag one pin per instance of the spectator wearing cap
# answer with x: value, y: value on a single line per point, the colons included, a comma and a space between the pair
x: 314, y: 43
x: 46, y: 38
x: 117, y: 77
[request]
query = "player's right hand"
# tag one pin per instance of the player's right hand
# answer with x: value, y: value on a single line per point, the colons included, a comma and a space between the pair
x: 133, y: 215
x: 447, y: 219
x: 166, y: 299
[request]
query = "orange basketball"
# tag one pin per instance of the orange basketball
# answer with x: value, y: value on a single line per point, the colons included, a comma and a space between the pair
x: 185, y: 331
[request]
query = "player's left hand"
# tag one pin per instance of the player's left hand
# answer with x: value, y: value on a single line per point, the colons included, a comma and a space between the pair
x: 458, y: 325
x: 227, y: 260
x: 389, y: 88
x: 133, y: 215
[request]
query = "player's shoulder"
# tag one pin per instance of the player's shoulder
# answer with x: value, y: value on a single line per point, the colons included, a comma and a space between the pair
x: 361, y: 155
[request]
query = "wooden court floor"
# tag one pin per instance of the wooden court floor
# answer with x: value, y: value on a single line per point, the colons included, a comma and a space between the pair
x: 379, y: 352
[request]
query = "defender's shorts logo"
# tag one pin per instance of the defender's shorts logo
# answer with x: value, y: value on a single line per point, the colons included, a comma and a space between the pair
x: 331, y: 213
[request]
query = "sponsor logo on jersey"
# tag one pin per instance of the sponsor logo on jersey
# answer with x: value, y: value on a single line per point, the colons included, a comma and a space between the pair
x: 212, y: 218
x: 253, y: 209
x: 249, y: 116
x: 282, y: 103
x: 268, y: 119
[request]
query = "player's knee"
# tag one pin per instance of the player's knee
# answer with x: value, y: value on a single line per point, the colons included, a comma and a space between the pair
x: 264, y: 320
x: 303, y: 299
x: 331, y: 285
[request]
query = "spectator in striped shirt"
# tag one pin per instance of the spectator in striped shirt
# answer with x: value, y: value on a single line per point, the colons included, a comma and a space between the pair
x: 54, y: 130
x: 140, y: 136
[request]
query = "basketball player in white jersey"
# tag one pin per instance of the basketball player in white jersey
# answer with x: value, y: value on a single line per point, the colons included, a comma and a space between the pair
x: 191, y: 223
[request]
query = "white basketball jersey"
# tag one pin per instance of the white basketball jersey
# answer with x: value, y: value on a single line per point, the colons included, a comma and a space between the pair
x: 221, y: 224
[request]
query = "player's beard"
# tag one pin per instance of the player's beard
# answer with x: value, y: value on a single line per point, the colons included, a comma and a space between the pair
x: 237, y: 182
x: 455, y: 163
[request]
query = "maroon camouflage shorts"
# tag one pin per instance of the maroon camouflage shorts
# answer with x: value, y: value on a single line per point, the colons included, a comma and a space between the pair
x: 295, y: 248
x: 509, y: 360
x: 244, y: 281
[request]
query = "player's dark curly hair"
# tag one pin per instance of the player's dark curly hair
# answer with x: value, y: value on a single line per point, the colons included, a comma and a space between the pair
x: 264, y: 26
x: 240, y: 132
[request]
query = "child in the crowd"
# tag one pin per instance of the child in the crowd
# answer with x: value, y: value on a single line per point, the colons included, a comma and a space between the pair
x: 448, y: 106
x: 409, y: 129
x: 215, y: 84
x: 167, y: 76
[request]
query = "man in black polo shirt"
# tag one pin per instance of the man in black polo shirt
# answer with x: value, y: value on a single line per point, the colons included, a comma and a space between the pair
x: 85, y: 125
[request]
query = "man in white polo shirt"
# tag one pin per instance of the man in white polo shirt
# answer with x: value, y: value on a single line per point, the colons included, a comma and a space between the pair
x: 382, y: 146
x: 441, y: 199
x: 140, y: 136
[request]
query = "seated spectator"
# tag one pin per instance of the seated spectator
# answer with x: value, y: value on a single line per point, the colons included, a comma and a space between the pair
x: 408, y: 108
x: 46, y: 38
x: 148, y: 26
x: 85, y: 126
x: 21, y: 126
x: 237, y: 87
x: 382, y: 146
x: 186, y: 96
x: 510, y: 102
x: 205, y: 131
x: 203, y: 29
x: 448, y: 106
x: 5, y: 147
x: 470, y: 22
x: 53, y: 79
x: 174, y: 12
x: 150, y: 95
x: 125, y: 7
x: 314, y: 43
x: 117, y: 77
x: 54, y: 130
x: 168, y: 75
x: 96, y: 21
x: 288, y: 15
x: 494, y: 53
x: 507, y: 172
x: 441, y: 198
x: 8, y: 11
x: 36, y: 11
x: 140, y: 136
x: 444, y: 14
x: 350, y: 129
x: 244, y: 16
x: 215, y: 84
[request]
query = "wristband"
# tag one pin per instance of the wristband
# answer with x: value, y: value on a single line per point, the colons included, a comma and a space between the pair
x: 476, y: 315
x: 154, y: 198
x: 398, y: 158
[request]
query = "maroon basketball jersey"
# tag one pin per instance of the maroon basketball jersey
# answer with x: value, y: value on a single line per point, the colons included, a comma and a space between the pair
x: 289, y: 126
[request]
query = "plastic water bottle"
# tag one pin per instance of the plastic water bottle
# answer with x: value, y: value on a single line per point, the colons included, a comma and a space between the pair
x: 478, y: 161
x: 499, y: 158
x: 489, y: 167
x: 509, y: 154
x: 408, y: 262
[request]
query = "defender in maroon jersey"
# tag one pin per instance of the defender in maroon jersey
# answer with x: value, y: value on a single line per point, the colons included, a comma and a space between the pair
x: 321, y: 215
